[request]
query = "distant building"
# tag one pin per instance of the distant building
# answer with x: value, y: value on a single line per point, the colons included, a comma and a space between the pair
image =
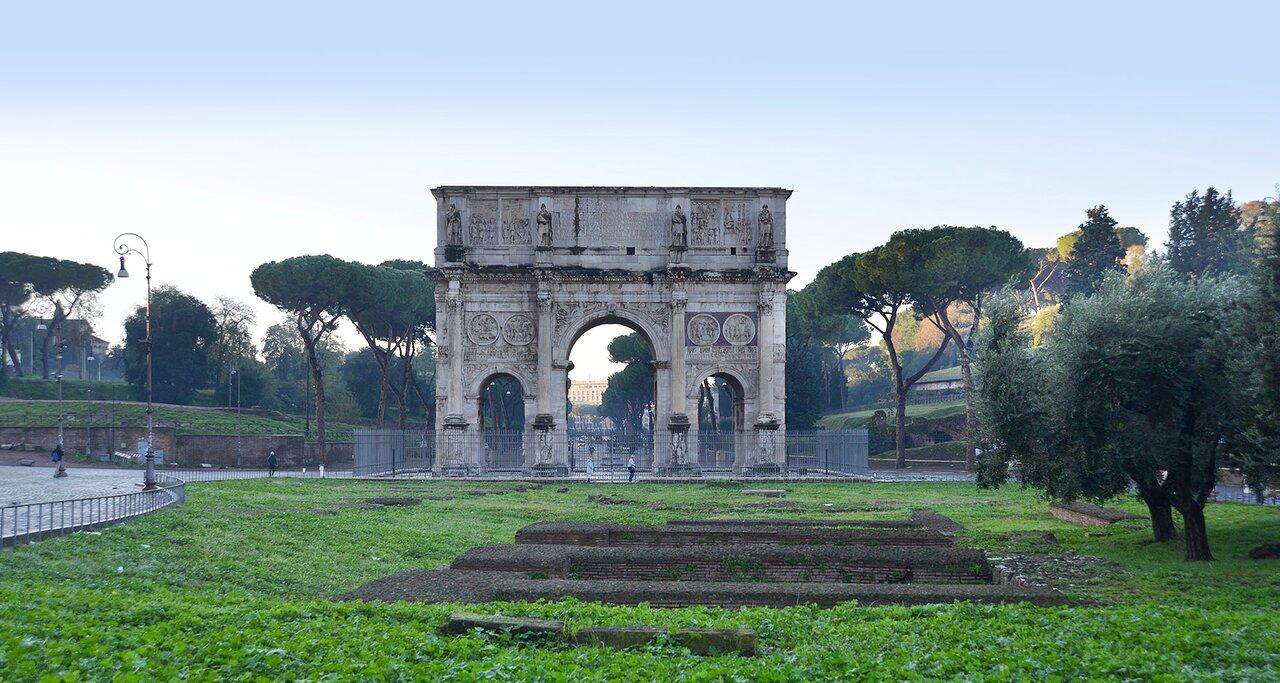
x: 587, y: 392
x: 944, y: 382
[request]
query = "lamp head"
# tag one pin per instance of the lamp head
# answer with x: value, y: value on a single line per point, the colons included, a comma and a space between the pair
x: 123, y: 272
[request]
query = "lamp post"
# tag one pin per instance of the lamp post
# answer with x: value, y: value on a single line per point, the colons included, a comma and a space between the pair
x: 61, y: 411
x: 123, y: 247
x: 235, y: 375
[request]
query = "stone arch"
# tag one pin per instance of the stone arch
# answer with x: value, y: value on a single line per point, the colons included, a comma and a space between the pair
x: 527, y: 382
x: 745, y: 379
x: 618, y: 316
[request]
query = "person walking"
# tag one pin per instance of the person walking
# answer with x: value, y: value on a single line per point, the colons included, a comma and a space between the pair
x: 271, y: 464
x: 60, y: 467
x: 591, y: 467
x: 631, y: 468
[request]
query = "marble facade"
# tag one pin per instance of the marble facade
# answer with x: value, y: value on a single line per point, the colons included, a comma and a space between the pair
x: 522, y: 272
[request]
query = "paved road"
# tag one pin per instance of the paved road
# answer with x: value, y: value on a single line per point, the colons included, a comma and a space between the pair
x: 37, y: 484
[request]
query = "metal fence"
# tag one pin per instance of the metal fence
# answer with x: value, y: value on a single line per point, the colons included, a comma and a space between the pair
x: 391, y: 452
x: 828, y: 451
x: 30, y: 522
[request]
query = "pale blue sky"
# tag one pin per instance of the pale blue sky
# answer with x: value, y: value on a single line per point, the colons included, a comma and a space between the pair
x: 240, y: 132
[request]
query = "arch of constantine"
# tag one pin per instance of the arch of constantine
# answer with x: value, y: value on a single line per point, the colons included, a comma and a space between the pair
x: 522, y: 272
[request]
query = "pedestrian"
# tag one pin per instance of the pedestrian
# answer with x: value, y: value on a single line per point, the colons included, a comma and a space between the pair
x: 56, y: 455
x: 631, y: 468
x: 591, y: 467
x: 271, y: 464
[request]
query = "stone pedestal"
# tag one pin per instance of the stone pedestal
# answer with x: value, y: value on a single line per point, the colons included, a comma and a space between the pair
x: 453, y: 458
x: 678, y: 464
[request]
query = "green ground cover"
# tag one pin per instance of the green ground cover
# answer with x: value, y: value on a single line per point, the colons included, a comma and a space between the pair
x: 858, y: 418
x: 77, y: 389
x: 187, y: 419
x: 238, y: 584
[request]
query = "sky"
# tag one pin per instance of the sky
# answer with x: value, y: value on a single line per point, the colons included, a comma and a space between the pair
x: 234, y: 133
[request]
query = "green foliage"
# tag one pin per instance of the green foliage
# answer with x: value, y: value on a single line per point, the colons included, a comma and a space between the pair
x: 1206, y: 237
x: 1254, y: 446
x: 183, y: 332
x: 628, y: 392
x: 1095, y: 253
x: 239, y: 584
x: 1133, y: 384
x: 630, y: 348
x: 1041, y: 324
x: 1128, y: 236
x: 34, y: 388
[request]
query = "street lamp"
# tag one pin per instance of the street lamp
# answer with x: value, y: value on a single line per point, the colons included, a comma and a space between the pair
x: 235, y: 375
x: 61, y: 411
x: 123, y: 247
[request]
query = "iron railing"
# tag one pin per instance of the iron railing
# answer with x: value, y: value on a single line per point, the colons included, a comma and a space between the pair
x: 392, y: 452
x: 30, y: 522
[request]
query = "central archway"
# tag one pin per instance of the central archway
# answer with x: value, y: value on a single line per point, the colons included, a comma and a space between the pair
x: 621, y: 427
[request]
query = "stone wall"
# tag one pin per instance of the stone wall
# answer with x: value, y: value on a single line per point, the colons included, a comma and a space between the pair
x: 96, y: 441
x: 220, y: 450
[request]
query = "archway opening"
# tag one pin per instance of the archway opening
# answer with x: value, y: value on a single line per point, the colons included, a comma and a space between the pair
x: 721, y: 420
x: 502, y: 421
x: 612, y: 395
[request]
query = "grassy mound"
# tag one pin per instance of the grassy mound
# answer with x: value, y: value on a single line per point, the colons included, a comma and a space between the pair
x: 186, y: 419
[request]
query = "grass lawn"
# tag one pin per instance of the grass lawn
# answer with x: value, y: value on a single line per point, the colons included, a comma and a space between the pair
x: 187, y: 419
x: 858, y: 418
x: 238, y: 584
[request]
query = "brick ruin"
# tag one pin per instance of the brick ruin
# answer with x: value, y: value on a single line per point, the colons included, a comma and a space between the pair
x: 725, y: 563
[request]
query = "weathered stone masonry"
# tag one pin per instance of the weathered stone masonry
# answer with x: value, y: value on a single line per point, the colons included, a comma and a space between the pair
x: 522, y: 272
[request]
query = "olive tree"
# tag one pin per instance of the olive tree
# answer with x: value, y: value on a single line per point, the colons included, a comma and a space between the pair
x: 1133, y: 385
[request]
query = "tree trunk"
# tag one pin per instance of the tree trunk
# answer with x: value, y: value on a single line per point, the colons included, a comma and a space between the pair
x: 318, y: 382
x: 970, y: 430
x: 900, y: 428
x: 12, y: 351
x: 1161, y: 512
x: 1197, y: 534
x: 402, y: 394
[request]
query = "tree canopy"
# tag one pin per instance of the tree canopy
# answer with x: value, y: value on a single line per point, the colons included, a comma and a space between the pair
x: 183, y: 333
x: 1095, y: 253
x: 1206, y: 236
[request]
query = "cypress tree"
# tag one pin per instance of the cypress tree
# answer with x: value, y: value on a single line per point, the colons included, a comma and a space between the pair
x: 1096, y: 253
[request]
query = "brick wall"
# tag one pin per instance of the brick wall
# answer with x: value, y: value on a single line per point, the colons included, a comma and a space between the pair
x: 95, y: 441
x: 187, y: 450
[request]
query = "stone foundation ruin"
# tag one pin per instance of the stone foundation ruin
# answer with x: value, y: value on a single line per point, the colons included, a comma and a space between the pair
x: 725, y: 563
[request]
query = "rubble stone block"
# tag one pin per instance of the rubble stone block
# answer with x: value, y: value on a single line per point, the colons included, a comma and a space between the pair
x: 462, y: 622
x: 618, y: 637
x: 718, y: 641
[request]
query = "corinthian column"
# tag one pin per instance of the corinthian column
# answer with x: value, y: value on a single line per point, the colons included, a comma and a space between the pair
x: 454, y: 302
x: 544, y: 359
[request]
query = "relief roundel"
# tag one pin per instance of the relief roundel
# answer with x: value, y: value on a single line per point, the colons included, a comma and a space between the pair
x: 483, y: 329
x: 518, y: 330
x: 704, y: 330
x: 739, y: 330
